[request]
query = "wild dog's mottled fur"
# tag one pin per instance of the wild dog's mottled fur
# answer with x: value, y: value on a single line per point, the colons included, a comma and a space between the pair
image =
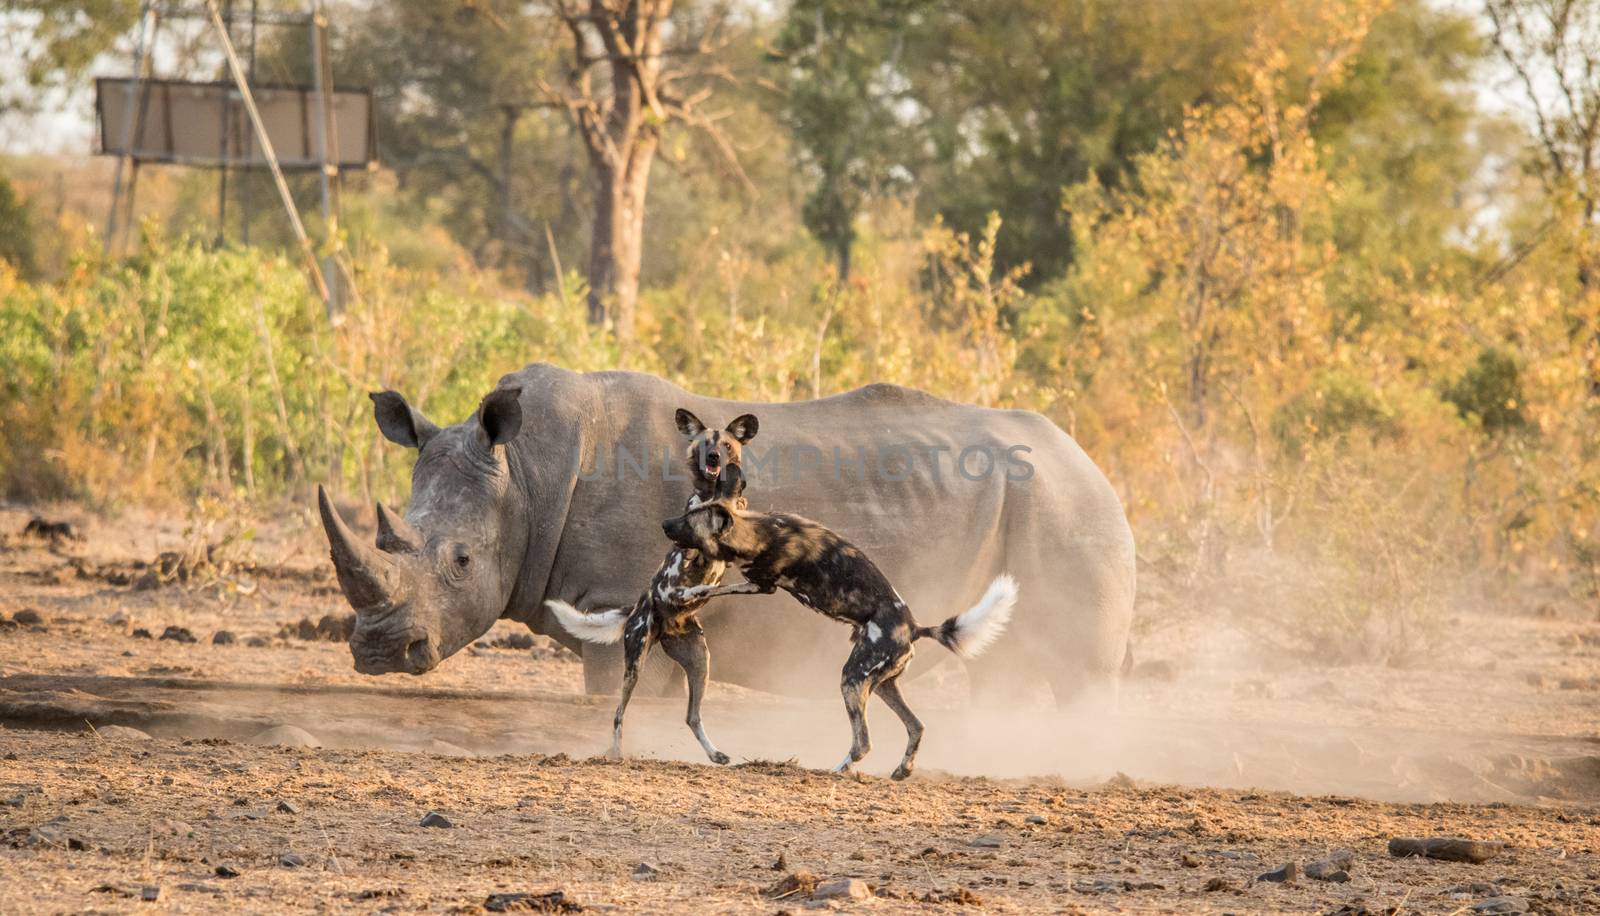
x: 830, y: 575
x: 662, y: 614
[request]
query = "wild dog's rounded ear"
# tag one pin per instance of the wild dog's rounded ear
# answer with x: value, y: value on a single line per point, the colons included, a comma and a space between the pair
x: 720, y: 519
x: 688, y: 423
x: 744, y: 428
x: 400, y: 422
x: 500, y: 415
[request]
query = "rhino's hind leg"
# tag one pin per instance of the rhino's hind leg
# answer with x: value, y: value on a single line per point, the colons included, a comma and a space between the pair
x: 690, y: 652
x: 889, y: 692
x: 637, y: 637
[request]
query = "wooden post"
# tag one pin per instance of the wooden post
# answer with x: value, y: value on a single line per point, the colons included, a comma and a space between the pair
x: 306, y: 254
x: 135, y: 123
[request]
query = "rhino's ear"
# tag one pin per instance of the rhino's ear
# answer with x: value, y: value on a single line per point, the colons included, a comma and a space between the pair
x: 399, y: 421
x: 688, y: 423
x: 744, y: 428
x: 500, y: 415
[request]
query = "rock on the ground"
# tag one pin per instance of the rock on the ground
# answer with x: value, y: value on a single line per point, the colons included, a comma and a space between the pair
x: 1190, y: 860
x: 1333, y: 867
x: 988, y: 841
x: 798, y: 881
x: 223, y: 638
x: 121, y: 733
x: 226, y: 871
x: 548, y: 902
x: 1450, y: 849
x: 290, y: 860
x: 28, y: 617
x: 1038, y: 820
x: 178, y: 634
x: 1501, y: 905
x: 1289, y: 873
x: 285, y: 736
x: 435, y: 819
x: 644, y: 871
x: 286, y: 807
x: 842, y: 889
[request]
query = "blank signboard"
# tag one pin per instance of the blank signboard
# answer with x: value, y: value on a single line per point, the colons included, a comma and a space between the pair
x: 206, y: 124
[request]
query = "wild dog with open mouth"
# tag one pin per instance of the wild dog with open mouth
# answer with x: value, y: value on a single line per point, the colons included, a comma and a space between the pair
x: 662, y: 614
x: 830, y: 575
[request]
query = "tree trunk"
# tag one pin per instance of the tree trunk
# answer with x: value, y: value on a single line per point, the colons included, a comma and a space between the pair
x: 617, y: 247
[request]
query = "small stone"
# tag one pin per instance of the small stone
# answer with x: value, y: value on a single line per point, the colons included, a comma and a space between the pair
x: 1219, y: 884
x: 178, y: 634
x: 285, y: 736
x: 435, y: 819
x: 1333, y: 867
x: 1189, y: 860
x: 286, y: 807
x: 290, y: 860
x: 121, y: 733
x: 1476, y: 889
x: 223, y: 638
x: 1501, y: 905
x: 15, y: 801
x: 1449, y: 849
x: 842, y: 889
x: 258, y: 642
x: 226, y: 871
x: 166, y: 826
x: 141, y: 633
x: 28, y: 617
x: 336, y: 629
x: 781, y: 863
x: 798, y: 881
x: 150, y: 893
x: 988, y: 841
x: 1287, y: 874
x: 200, y: 888
x: 1037, y: 820
x: 644, y: 871
x: 548, y: 902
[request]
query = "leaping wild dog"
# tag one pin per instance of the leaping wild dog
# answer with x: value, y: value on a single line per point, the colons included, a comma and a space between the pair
x: 830, y: 575
x: 661, y: 614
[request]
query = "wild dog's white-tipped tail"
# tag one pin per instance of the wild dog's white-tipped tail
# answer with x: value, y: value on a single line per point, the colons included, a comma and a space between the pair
x: 967, y: 634
x: 604, y: 627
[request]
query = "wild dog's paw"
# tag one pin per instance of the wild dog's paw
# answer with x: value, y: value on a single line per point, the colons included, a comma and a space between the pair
x: 720, y: 759
x: 900, y: 772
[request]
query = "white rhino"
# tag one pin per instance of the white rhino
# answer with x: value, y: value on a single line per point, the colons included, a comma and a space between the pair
x: 556, y: 487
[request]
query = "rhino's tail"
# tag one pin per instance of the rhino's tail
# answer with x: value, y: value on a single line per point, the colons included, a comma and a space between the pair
x: 604, y: 627
x: 970, y: 632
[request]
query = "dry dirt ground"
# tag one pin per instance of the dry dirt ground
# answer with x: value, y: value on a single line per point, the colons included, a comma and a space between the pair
x: 1227, y: 760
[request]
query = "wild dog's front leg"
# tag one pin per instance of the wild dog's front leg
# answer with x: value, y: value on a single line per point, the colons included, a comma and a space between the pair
x: 690, y: 652
x: 698, y: 592
x: 638, y: 634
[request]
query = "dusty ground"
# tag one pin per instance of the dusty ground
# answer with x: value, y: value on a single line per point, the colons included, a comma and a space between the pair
x: 1491, y: 736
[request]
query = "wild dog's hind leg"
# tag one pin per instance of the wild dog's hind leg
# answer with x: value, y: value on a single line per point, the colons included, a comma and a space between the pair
x: 690, y: 652
x: 866, y: 664
x: 638, y: 634
x: 889, y: 691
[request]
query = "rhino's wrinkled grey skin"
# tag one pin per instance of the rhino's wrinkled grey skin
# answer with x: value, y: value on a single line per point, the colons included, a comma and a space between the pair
x: 501, y: 520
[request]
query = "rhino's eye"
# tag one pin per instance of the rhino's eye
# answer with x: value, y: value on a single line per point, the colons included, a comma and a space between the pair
x: 461, y: 559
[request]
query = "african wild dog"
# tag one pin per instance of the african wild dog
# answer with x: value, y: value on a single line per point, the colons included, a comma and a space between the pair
x: 659, y: 615
x: 830, y: 575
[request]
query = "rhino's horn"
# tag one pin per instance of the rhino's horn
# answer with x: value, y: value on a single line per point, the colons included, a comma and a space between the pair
x: 395, y: 534
x: 370, y: 579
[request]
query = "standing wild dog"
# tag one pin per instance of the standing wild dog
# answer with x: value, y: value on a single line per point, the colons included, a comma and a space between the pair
x: 831, y: 576
x: 661, y: 614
